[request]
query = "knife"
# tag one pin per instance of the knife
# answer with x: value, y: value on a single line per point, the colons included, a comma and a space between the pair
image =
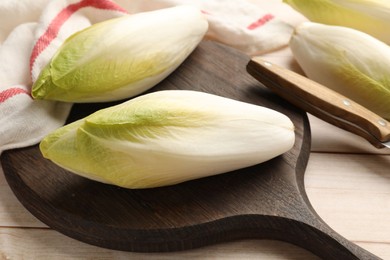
x: 321, y: 102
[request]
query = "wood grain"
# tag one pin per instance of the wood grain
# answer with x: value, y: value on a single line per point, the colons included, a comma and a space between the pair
x: 48, y: 244
x: 264, y: 201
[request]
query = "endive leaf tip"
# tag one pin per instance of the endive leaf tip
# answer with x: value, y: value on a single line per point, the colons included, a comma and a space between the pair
x: 44, y: 146
x: 42, y: 85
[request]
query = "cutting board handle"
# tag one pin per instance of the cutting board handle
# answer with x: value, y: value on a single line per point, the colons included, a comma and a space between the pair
x: 302, y: 226
x: 323, y: 241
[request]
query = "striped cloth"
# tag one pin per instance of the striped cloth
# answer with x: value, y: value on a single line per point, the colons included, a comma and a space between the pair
x: 31, y: 32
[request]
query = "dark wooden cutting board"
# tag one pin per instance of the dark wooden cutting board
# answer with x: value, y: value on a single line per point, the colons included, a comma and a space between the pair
x: 264, y: 201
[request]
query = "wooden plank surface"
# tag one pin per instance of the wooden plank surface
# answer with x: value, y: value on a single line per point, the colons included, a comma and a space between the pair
x: 47, y: 244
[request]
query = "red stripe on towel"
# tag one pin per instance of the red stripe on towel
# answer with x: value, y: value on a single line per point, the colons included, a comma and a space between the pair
x: 260, y: 22
x: 55, y: 26
x: 8, y: 93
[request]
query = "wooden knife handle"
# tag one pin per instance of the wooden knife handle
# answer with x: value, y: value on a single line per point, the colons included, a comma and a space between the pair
x: 321, y: 101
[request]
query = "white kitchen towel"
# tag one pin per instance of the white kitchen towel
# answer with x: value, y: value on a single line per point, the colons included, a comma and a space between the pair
x: 33, y: 30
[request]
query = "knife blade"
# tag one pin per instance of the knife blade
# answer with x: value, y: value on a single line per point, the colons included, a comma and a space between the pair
x: 321, y: 101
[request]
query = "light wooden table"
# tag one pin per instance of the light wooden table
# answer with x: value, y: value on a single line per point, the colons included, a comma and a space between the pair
x: 347, y: 182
